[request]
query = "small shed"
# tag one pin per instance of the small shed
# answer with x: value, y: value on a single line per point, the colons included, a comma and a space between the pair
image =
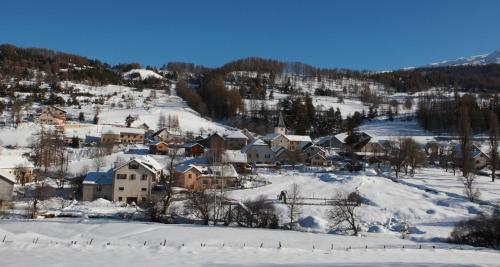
x: 97, y: 185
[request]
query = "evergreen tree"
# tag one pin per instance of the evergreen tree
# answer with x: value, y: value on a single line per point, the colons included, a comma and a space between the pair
x: 81, y: 117
x: 129, y: 120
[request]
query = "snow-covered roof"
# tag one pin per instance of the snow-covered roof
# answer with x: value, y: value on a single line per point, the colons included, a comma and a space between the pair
x: 108, y: 129
x: 10, y: 159
x: 342, y: 136
x: 255, y: 142
x: 298, y: 138
x: 147, y: 162
x: 270, y: 136
x: 237, y: 135
x: 234, y: 156
x: 7, y: 176
x: 103, y: 178
x: 223, y: 170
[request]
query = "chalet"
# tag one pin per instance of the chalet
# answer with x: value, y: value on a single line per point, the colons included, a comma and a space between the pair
x: 132, y: 135
x: 478, y: 158
x: 159, y: 148
x: 216, y: 140
x: 373, y: 149
x: 284, y: 156
x: 318, y: 160
x: 168, y: 135
x: 133, y: 180
x: 259, y: 152
x: 332, y: 141
x: 198, y: 177
x: 7, y: 181
x: 52, y: 115
x: 97, y: 185
x: 111, y: 134
x: 236, y: 140
x: 193, y: 149
x: 316, y: 156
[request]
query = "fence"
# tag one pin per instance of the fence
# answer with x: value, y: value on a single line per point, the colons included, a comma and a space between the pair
x: 5, y: 241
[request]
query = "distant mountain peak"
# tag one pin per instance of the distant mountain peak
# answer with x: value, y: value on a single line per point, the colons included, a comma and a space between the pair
x: 492, y: 58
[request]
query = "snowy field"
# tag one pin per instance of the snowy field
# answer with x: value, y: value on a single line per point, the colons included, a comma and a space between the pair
x: 431, y: 202
x: 108, y: 243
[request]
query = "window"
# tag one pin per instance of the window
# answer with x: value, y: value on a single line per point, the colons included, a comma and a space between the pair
x: 144, y: 189
x: 121, y: 176
x: 120, y: 198
x: 121, y: 188
x: 132, y: 177
x: 257, y: 155
x: 144, y: 177
x: 205, y: 182
x: 189, y: 176
x: 99, y: 188
x: 267, y: 156
x: 133, y: 166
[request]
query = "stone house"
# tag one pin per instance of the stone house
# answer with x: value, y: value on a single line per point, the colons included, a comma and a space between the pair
x: 259, y: 152
x: 291, y: 142
x: 134, y: 180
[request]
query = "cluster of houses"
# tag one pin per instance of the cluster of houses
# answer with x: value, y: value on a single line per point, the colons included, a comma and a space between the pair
x: 219, y: 160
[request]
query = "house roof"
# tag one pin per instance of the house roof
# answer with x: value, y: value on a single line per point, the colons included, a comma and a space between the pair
x: 341, y: 136
x: 59, y: 108
x: 256, y: 142
x: 234, y: 156
x: 270, y: 136
x: 189, y: 145
x: 237, y: 135
x: 102, y: 178
x: 146, y: 161
x: 109, y: 129
x: 298, y: 138
x: 227, y: 170
x: 10, y: 159
x: 171, y: 132
x: 7, y: 176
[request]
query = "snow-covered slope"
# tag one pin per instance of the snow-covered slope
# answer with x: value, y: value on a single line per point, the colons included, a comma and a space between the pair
x: 143, y: 73
x: 493, y: 58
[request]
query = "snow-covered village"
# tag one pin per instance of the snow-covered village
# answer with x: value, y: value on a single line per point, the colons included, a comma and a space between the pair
x: 251, y: 162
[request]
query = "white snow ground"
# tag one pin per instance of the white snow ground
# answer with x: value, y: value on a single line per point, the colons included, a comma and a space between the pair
x: 49, y: 243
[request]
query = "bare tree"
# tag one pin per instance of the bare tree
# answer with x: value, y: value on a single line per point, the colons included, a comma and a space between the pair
x: 162, y: 121
x: 343, y: 213
x: 201, y: 205
x: 470, y: 188
x: 293, y: 204
x: 464, y: 132
x: 414, y: 155
x: 493, y: 140
x: 40, y: 193
x: 98, y: 155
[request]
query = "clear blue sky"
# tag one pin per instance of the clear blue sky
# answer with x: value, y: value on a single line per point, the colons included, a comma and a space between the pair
x: 374, y: 35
